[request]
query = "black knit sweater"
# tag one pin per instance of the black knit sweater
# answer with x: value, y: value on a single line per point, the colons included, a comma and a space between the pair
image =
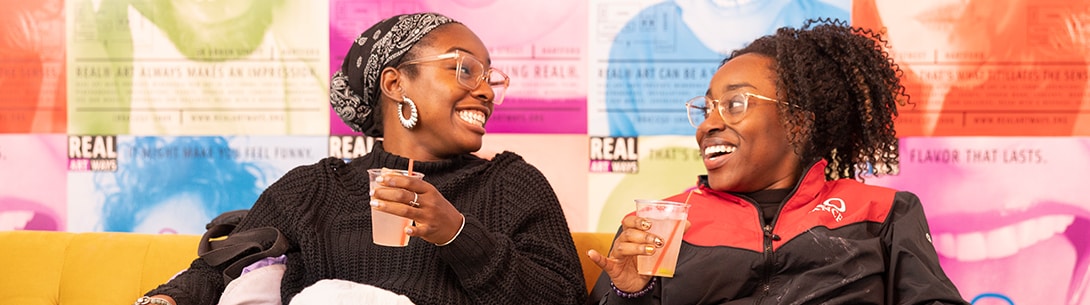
x: 516, y: 247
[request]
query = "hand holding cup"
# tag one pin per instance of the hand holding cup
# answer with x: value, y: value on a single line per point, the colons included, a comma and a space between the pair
x: 637, y: 243
x: 404, y: 206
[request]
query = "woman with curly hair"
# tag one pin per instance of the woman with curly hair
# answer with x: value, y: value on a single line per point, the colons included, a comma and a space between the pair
x: 787, y: 126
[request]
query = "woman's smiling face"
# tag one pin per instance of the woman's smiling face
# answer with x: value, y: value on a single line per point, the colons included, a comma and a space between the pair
x: 755, y: 153
x: 452, y: 117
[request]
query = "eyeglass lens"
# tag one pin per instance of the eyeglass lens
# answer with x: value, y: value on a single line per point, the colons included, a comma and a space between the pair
x: 730, y: 110
x: 471, y: 71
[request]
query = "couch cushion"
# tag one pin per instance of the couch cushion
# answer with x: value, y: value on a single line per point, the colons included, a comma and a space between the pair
x: 31, y: 262
x: 126, y: 264
x: 48, y: 268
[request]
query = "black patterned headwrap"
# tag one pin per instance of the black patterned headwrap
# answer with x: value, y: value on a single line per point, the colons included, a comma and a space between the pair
x: 354, y: 91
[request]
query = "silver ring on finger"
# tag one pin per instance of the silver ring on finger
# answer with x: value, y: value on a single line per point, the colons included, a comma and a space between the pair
x: 414, y: 202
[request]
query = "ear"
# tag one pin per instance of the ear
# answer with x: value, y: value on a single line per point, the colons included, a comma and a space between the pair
x: 390, y: 83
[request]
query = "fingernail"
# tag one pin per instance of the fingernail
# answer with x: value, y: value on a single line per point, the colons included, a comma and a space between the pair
x: 371, y: 192
x: 658, y: 242
x: 644, y: 224
x: 375, y: 203
x: 409, y: 230
x: 379, y: 179
x: 649, y: 249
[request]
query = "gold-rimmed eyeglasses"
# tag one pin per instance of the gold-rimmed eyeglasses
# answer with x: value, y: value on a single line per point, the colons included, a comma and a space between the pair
x: 470, y: 71
x: 732, y: 110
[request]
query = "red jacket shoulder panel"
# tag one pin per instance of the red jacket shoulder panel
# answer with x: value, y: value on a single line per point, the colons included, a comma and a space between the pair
x: 838, y: 203
x: 719, y: 219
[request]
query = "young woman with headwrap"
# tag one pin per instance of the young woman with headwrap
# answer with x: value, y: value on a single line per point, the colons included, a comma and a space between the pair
x: 485, y: 231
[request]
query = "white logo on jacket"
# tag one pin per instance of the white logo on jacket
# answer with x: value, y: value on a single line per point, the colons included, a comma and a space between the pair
x: 834, y: 206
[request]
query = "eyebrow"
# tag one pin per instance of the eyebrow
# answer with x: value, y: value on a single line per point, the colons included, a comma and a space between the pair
x: 732, y: 87
x: 487, y: 61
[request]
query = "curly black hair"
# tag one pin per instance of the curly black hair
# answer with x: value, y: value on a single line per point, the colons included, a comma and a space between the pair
x: 846, y: 88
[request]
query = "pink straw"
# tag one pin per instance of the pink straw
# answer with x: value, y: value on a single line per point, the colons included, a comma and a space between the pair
x: 658, y: 262
x: 677, y: 224
x: 410, y: 174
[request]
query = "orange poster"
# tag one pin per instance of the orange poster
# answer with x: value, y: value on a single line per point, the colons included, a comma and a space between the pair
x: 1005, y: 67
x: 32, y: 95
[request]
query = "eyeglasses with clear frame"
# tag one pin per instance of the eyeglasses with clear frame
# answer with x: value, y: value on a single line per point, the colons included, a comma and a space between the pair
x: 732, y: 110
x: 470, y: 72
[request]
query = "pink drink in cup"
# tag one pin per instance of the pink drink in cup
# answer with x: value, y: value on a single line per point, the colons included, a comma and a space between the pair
x: 388, y: 229
x: 667, y: 222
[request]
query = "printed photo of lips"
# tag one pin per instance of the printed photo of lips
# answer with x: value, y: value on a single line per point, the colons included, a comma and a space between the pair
x: 33, y: 179
x: 22, y: 214
x: 1008, y: 216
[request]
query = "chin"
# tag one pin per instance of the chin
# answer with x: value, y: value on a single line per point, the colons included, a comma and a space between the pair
x: 722, y: 184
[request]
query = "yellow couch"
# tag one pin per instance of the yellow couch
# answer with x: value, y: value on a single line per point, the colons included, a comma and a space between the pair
x: 40, y: 267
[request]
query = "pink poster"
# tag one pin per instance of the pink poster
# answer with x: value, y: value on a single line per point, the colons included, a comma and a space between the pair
x: 32, y: 182
x: 1009, y: 216
x: 541, y: 45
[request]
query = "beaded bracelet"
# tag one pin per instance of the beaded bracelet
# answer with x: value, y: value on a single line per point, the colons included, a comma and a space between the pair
x: 633, y: 295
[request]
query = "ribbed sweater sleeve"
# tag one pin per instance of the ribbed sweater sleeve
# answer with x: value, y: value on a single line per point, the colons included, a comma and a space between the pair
x: 520, y: 251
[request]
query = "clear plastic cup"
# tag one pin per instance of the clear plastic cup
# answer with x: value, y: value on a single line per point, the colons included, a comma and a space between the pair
x: 667, y: 222
x: 389, y: 229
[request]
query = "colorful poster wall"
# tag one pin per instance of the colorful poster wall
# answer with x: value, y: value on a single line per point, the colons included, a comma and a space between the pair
x: 96, y: 95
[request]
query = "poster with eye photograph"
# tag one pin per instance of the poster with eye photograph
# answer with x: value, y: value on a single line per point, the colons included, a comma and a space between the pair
x: 649, y: 57
x: 540, y: 45
x: 32, y: 98
x: 988, y: 68
x: 1008, y: 215
x: 167, y: 185
x: 32, y: 181
x: 197, y: 67
x: 623, y: 169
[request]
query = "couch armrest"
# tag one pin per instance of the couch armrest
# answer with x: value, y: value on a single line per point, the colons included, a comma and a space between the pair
x: 585, y: 241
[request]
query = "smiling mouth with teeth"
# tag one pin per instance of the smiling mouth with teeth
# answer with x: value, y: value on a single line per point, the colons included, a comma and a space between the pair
x: 715, y: 151
x: 473, y: 117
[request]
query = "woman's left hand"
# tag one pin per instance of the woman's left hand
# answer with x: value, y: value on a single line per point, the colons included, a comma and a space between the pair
x: 435, y: 219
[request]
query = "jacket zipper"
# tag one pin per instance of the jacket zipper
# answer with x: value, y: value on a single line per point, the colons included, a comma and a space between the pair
x: 770, y: 259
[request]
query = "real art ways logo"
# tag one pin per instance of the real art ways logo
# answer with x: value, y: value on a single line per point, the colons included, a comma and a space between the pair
x: 614, y: 155
x: 349, y: 147
x: 92, y: 153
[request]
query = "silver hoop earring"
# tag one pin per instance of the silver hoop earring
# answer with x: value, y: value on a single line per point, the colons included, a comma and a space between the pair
x: 411, y: 121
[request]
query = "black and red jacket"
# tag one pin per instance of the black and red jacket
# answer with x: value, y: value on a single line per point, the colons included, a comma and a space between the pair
x: 832, y: 242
